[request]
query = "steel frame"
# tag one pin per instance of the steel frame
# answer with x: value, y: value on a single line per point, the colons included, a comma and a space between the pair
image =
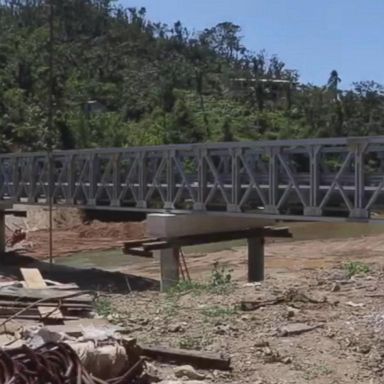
x: 285, y: 178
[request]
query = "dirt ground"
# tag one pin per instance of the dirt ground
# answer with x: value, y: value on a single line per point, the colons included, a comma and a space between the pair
x: 326, y: 327
x: 313, y: 281
x: 91, y: 236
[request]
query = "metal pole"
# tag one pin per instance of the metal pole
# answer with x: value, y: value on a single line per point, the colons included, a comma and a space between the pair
x: 50, y: 133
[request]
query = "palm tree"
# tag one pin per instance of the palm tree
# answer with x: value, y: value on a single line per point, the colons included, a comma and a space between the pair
x: 333, y: 83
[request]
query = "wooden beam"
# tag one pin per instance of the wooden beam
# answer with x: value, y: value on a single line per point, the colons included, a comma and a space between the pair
x: 33, y: 279
x: 16, y: 212
x: 138, y: 242
x: 216, y: 237
x: 137, y: 252
x: 199, y: 359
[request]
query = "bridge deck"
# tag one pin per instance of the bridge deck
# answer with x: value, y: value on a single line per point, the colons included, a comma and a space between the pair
x: 295, y: 179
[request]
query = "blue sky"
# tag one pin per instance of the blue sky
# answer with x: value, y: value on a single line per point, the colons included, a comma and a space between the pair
x: 313, y: 36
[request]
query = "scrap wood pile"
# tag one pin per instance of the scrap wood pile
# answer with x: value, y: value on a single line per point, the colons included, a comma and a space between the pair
x: 36, y: 299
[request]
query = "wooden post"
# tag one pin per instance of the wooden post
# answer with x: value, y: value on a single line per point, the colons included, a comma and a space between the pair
x: 2, y: 231
x: 255, y: 259
x: 169, y: 268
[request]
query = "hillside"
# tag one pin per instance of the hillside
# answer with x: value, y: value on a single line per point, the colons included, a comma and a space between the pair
x: 122, y: 80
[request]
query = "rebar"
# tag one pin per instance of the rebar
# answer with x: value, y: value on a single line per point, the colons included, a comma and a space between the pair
x: 52, y: 363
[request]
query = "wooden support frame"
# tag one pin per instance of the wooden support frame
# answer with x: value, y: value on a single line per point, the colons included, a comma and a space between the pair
x: 146, y: 246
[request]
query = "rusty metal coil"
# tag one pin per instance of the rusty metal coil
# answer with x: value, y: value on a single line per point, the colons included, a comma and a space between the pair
x: 52, y: 363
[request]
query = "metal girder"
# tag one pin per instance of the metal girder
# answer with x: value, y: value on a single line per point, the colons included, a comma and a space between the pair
x: 308, y: 178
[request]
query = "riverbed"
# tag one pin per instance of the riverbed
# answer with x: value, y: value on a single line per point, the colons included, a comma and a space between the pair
x: 113, y: 259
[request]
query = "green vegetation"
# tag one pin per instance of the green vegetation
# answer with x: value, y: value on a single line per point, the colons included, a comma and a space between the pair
x: 103, y: 307
x: 123, y: 80
x: 221, y: 276
x: 194, y: 342
x: 220, y: 282
x: 219, y: 311
x: 356, y: 268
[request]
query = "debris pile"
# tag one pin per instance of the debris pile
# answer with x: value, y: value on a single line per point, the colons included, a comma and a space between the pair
x: 35, y: 299
x: 53, y: 363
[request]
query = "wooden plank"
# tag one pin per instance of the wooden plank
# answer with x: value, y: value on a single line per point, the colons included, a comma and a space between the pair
x: 155, y: 245
x: 138, y: 242
x: 57, y: 285
x: 137, y: 252
x: 38, y: 317
x: 23, y: 294
x: 216, y: 237
x: 33, y: 279
x: 64, y: 304
x: 199, y: 359
x: 16, y: 212
x: 76, y: 328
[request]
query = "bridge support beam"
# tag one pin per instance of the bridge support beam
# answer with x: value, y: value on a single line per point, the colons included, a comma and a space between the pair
x: 359, y: 213
x: 169, y: 268
x: 313, y: 211
x: 255, y: 259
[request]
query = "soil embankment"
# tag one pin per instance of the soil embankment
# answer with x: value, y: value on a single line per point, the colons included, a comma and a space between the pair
x: 72, y: 232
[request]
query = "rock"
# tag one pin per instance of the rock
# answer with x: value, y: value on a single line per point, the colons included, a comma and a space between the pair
x: 222, y: 329
x: 364, y: 348
x: 287, y: 360
x: 177, y: 327
x: 271, y: 356
x: 189, y: 372
x: 267, y: 351
x: 261, y: 343
x: 221, y: 374
x: 291, y: 312
x: 182, y: 382
x: 296, y: 329
x: 355, y: 305
x: 151, y: 371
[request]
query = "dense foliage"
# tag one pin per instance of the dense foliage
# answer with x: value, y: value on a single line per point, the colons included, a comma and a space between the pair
x: 122, y: 80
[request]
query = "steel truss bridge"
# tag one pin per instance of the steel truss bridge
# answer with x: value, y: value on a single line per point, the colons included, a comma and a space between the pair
x: 314, y: 179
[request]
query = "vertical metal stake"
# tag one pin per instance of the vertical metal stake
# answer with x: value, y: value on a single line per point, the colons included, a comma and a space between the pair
x: 50, y: 132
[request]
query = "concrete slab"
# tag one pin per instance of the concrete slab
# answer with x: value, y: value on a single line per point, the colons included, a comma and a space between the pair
x: 5, y: 205
x: 166, y: 225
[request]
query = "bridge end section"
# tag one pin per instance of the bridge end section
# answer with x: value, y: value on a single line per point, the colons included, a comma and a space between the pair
x: 205, y: 228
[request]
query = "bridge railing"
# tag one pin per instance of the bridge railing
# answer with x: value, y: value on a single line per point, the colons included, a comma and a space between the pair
x: 305, y: 177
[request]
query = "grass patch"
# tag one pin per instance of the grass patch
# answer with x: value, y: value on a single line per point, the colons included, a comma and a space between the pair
x: 170, y: 308
x: 103, y: 307
x: 353, y: 268
x: 217, y: 311
x: 220, y: 282
x: 194, y: 342
x: 317, y: 371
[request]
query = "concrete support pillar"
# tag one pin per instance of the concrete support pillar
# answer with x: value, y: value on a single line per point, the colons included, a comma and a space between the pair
x: 255, y: 259
x: 169, y: 268
x: 2, y: 231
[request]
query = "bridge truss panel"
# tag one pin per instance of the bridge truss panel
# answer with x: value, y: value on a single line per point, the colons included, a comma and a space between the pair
x: 321, y: 177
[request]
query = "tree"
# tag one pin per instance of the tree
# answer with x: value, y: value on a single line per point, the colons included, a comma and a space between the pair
x: 333, y: 84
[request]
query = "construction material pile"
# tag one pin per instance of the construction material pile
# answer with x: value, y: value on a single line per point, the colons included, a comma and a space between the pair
x: 53, y: 363
x: 35, y: 299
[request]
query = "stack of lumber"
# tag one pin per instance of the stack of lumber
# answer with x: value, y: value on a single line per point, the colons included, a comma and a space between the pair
x: 42, y: 300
